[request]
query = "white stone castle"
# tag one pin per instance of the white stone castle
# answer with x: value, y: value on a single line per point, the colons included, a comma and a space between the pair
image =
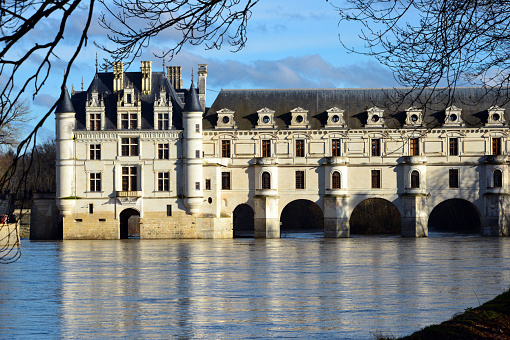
x: 139, y: 155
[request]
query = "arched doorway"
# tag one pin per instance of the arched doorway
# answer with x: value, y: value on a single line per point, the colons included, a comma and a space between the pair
x: 243, y: 221
x: 129, y: 223
x: 375, y: 216
x: 301, y: 216
x: 455, y: 216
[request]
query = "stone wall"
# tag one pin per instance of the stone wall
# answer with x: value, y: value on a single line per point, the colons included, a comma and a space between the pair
x: 45, y: 218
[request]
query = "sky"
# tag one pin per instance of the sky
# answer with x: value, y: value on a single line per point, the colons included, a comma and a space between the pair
x: 290, y: 44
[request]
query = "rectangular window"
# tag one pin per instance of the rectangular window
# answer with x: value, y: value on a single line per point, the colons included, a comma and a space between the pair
x: 95, y: 151
x: 129, y: 98
x: 197, y: 153
x: 376, y: 179
x: 496, y: 146
x: 300, y: 148
x: 129, y: 146
x: 376, y: 147
x: 225, y: 181
x: 91, y: 208
x: 163, y: 151
x: 266, y: 148
x: 414, y: 146
x: 163, y: 181
x: 129, y: 178
x: 197, y: 127
x: 225, y: 148
x: 168, y: 210
x: 129, y: 121
x: 208, y: 184
x: 453, y: 178
x: 95, y: 181
x: 163, y: 122
x: 300, y: 179
x: 197, y: 185
x: 95, y: 121
x: 335, y: 147
x: 454, y: 146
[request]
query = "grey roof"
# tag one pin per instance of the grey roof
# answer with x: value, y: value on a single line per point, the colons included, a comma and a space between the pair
x: 65, y: 105
x: 474, y: 103
x: 192, y: 102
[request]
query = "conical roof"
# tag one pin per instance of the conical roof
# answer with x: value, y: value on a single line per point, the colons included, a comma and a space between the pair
x: 65, y: 105
x: 192, y: 102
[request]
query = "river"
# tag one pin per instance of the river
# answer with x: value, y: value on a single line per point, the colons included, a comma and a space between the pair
x: 301, y: 287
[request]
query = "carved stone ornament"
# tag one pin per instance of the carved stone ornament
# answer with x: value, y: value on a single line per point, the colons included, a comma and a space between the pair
x: 453, y: 117
x: 496, y: 116
x: 225, y: 119
x: 299, y: 119
x: 375, y: 117
x: 266, y: 119
x: 335, y: 118
x: 414, y: 117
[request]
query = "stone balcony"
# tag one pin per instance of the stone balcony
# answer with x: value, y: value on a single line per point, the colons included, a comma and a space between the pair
x: 130, y: 194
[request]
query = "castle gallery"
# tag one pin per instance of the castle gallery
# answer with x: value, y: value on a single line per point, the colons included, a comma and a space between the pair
x: 138, y: 154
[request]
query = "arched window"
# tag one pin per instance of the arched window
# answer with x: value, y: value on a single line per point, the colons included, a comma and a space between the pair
x: 335, y: 180
x: 266, y: 180
x: 415, y: 179
x: 497, y: 178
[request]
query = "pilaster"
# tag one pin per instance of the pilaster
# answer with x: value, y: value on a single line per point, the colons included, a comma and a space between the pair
x: 414, y: 217
x: 267, y: 221
x: 336, y: 217
x: 496, y: 220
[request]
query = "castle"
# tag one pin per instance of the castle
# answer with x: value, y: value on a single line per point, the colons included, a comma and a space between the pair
x: 137, y: 154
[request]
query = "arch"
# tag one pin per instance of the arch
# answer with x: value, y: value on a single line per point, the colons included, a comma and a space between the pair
x: 336, y: 180
x: 243, y: 221
x: 455, y: 215
x: 375, y: 216
x: 415, y: 179
x: 497, y: 179
x: 302, y: 216
x: 129, y: 223
x: 266, y: 180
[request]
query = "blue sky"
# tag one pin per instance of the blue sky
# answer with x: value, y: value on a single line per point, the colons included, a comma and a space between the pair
x: 291, y: 44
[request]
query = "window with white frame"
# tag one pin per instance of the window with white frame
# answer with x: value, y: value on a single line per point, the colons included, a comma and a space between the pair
x: 163, y: 181
x: 163, y: 151
x: 129, y: 146
x: 95, y: 181
x: 129, y: 121
x: 95, y: 151
x: 95, y: 121
x: 129, y: 178
x: 163, y: 121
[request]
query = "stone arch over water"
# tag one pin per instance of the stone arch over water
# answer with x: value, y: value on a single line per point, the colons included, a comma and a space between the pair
x: 301, y: 216
x: 243, y: 221
x: 455, y: 215
x: 129, y: 223
x: 375, y: 216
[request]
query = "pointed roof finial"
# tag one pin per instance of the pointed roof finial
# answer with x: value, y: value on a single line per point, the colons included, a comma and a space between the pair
x: 163, y: 65
x: 72, y: 89
x: 192, y: 76
x: 97, y: 65
x: 82, y: 83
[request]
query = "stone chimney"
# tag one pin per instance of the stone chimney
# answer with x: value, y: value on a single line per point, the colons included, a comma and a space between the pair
x: 118, y: 76
x: 202, y: 84
x: 174, y: 75
x: 146, y: 77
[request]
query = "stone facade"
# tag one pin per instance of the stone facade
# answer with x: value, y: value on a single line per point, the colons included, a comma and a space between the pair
x: 134, y: 145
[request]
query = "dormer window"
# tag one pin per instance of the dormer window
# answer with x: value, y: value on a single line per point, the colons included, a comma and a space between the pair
x: 375, y: 117
x: 335, y: 118
x: 299, y: 119
x: 453, y: 117
x: 225, y: 119
x: 129, y: 99
x: 266, y: 119
x: 496, y: 116
x: 414, y: 117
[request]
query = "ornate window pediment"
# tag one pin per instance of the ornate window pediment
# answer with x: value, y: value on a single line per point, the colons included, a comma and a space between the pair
x: 375, y: 117
x: 414, y: 117
x: 299, y: 119
x: 496, y: 116
x: 453, y: 117
x: 335, y: 118
x: 225, y: 119
x: 266, y: 119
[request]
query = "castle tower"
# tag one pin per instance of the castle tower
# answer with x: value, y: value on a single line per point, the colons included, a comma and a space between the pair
x: 64, y: 126
x: 202, y: 84
x: 192, y: 145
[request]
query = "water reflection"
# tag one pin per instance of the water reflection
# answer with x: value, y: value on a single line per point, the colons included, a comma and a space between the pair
x: 246, y: 288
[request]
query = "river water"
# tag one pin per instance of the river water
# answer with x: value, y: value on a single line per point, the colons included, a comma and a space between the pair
x: 246, y: 288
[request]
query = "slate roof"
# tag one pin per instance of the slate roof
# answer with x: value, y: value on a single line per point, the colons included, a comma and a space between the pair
x: 474, y: 103
x: 65, y: 106
x: 192, y: 102
x: 103, y: 84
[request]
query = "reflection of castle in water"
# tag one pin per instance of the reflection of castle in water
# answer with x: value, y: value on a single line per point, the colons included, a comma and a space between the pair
x: 136, y: 145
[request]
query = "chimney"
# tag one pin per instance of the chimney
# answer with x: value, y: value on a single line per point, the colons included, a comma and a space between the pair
x: 202, y: 84
x: 174, y: 74
x: 146, y: 77
x: 118, y: 76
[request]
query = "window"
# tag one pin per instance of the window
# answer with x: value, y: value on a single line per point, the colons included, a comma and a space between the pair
x: 197, y: 185
x: 91, y: 208
x: 197, y: 127
x: 129, y: 178
x: 225, y: 181
x: 163, y: 121
x: 335, y: 147
x: 414, y: 146
x: 376, y: 147
x: 95, y: 181
x: 95, y: 121
x: 266, y: 148
x: 163, y: 151
x: 208, y: 184
x: 496, y: 146
x: 129, y: 98
x: 129, y: 121
x: 335, y: 180
x: 300, y: 179
x: 95, y: 151
x: 376, y: 179
x: 497, y: 179
x: 454, y: 146
x: 129, y: 146
x: 225, y: 148
x: 168, y: 210
x: 453, y: 175
x: 300, y: 148
x: 266, y: 180
x: 197, y: 153
x: 415, y: 179
x: 163, y: 181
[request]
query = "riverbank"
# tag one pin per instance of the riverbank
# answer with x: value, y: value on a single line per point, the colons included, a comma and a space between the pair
x: 489, y: 321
